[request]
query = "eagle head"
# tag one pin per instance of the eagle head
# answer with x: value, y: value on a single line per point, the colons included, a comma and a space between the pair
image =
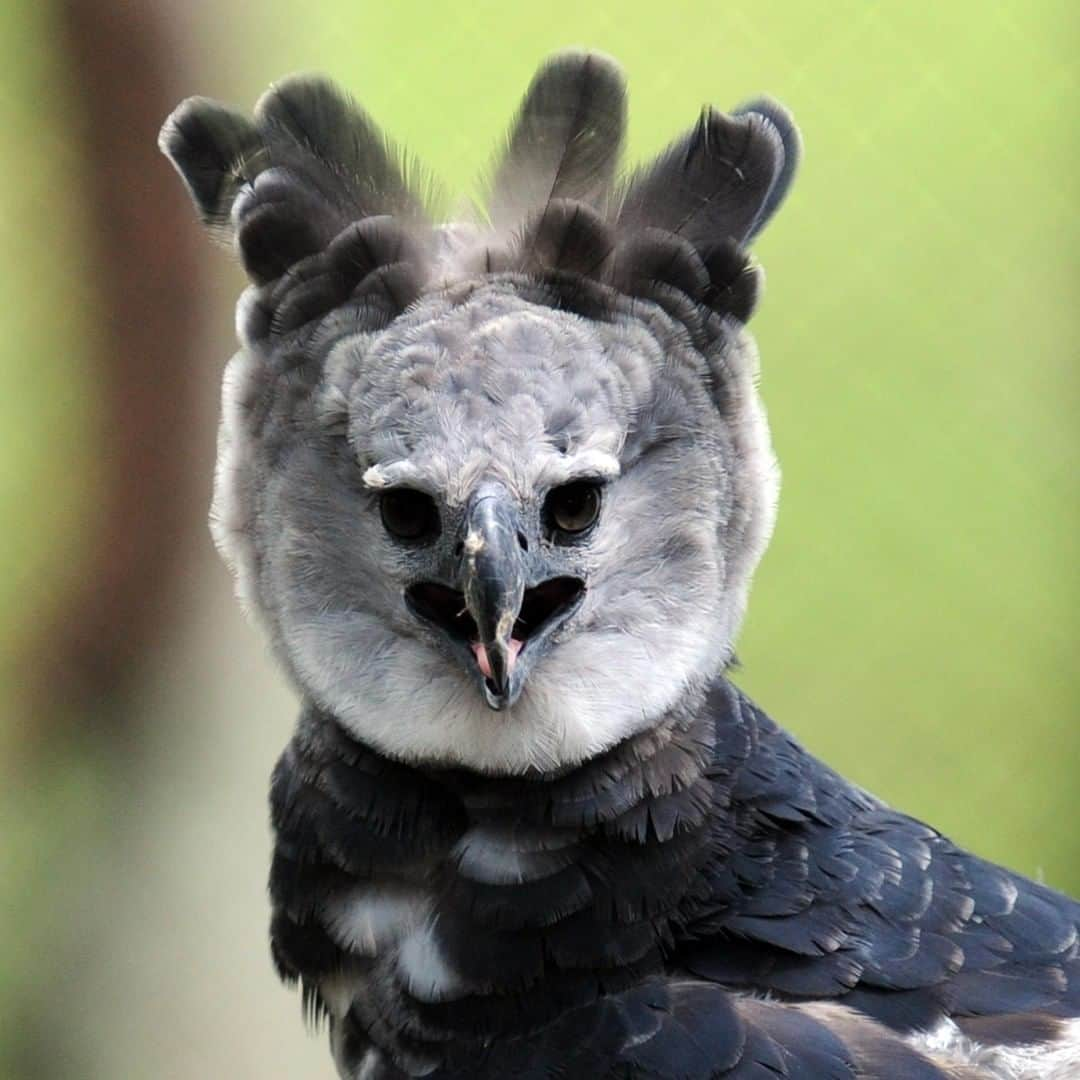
x: 496, y: 488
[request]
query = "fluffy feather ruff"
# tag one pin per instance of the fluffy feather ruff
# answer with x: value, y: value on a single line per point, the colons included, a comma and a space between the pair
x: 405, y: 700
x: 391, y: 688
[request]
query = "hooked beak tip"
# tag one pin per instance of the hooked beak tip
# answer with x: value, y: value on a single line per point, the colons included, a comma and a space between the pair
x: 504, y: 657
x: 496, y: 661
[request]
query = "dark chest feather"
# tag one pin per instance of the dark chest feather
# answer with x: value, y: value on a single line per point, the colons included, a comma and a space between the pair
x: 432, y: 914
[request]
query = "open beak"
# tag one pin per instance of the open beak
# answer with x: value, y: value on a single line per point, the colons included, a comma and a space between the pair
x: 496, y: 615
x: 494, y: 583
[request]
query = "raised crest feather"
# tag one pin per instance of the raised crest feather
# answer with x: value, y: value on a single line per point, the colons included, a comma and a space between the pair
x: 284, y: 185
x: 712, y: 184
x: 785, y: 128
x: 564, y: 142
x: 296, y: 180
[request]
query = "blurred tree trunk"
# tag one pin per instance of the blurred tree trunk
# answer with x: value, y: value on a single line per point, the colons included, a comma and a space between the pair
x: 124, y: 80
x: 138, y: 259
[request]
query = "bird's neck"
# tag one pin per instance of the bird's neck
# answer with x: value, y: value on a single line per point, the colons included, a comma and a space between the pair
x: 519, y: 886
x: 673, y: 754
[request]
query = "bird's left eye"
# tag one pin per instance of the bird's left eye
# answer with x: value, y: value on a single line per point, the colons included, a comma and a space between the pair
x: 574, y: 507
x: 409, y: 514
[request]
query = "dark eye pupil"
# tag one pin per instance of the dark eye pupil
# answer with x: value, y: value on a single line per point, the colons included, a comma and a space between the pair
x: 409, y: 514
x: 572, y: 508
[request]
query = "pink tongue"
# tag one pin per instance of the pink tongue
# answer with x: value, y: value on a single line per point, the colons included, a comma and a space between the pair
x: 485, y: 663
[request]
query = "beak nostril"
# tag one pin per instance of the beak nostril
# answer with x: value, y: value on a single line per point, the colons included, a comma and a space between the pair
x: 459, y: 548
x: 523, y: 542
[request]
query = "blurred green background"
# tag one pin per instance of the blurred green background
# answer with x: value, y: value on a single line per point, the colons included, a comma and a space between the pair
x: 914, y: 621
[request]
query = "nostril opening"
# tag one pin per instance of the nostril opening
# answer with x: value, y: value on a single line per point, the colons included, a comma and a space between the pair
x: 459, y: 548
x: 523, y: 542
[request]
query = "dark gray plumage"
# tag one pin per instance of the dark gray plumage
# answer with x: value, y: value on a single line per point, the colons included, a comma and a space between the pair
x: 564, y: 142
x: 497, y: 491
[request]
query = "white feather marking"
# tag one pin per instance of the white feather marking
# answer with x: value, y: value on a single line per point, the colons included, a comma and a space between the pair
x: 424, y: 969
x: 474, y: 543
x: 369, y: 1063
x: 392, y: 474
x: 494, y: 856
x: 1057, y: 1060
x: 232, y: 508
x: 339, y: 992
x: 368, y: 917
x: 588, y: 463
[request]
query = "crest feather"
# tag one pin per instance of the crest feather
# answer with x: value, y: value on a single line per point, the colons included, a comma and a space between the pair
x: 712, y: 184
x: 565, y: 140
x: 284, y: 185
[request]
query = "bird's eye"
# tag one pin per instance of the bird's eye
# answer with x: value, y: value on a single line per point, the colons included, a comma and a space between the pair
x: 574, y: 507
x: 409, y: 514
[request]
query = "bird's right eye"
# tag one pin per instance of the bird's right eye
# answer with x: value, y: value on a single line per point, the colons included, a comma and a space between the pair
x: 408, y: 514
x: 573, y: 508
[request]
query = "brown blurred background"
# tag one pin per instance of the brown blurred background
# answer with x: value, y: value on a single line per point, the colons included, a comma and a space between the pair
x: 915, y: 622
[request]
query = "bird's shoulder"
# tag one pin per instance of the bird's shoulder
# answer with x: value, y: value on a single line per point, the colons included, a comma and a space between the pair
x: 817, y: 889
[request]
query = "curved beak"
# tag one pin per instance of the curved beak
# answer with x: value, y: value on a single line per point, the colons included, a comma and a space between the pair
x: 494, y: 587
x: 510, y: 600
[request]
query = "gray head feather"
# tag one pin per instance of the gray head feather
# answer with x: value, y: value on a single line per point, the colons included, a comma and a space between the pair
x: 601, y: 343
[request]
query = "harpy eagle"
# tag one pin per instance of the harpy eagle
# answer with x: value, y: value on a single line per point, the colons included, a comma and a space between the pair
x: 496, y: 490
